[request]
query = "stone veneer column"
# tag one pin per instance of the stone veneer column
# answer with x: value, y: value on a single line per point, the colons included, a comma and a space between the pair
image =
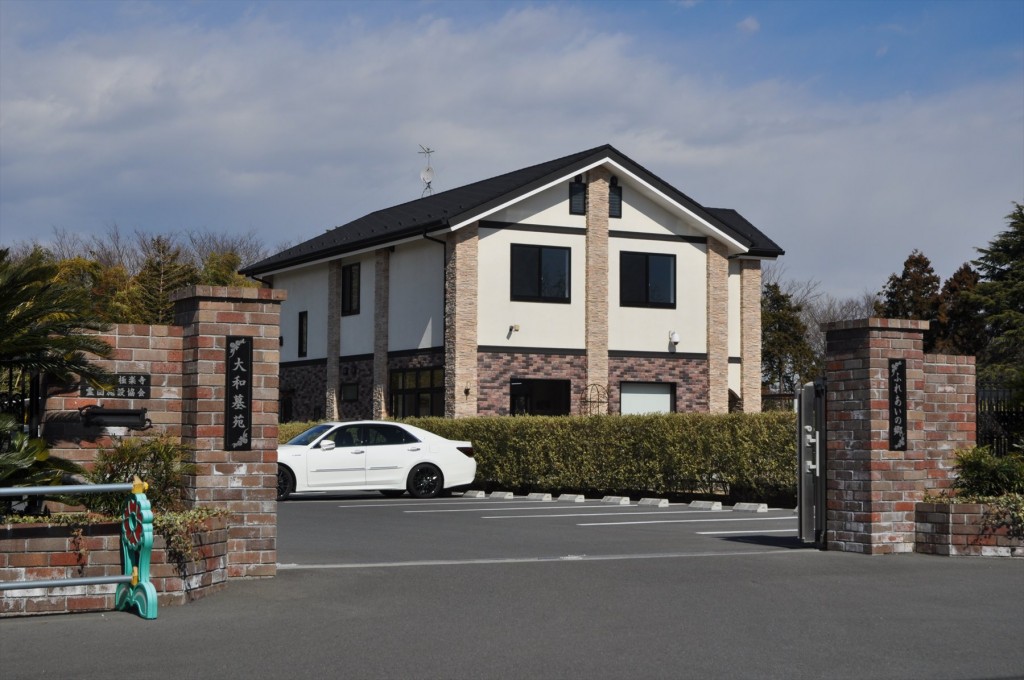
x: 381, y: 293
x: 460, y: 328
x: 597, y: 279
x: 243, y: 482
x: 718, y: 327
x: 750, y: 334
x: 333, y: 377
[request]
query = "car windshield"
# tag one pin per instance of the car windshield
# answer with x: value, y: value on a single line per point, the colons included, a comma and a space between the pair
x: 309, y: 436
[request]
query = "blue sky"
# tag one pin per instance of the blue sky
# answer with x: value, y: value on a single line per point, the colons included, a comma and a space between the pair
x: 850, y: 132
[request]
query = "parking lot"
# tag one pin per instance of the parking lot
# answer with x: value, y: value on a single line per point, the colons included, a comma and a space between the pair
x: 365, y: 529
x: 370, y: 587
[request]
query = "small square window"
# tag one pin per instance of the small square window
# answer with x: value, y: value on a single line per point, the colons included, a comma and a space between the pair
x: 647, y: 280
x: 350, y: 391
x: 540, y: 273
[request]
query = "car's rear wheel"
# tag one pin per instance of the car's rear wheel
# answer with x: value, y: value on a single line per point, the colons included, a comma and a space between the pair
x: 425, y: 481
x: 285, y: 483
x: 392, y: 493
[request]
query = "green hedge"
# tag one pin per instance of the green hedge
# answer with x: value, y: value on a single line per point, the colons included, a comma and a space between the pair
x: 751, y: 455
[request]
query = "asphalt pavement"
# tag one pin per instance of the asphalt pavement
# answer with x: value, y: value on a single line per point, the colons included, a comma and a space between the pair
x: 448, y: 590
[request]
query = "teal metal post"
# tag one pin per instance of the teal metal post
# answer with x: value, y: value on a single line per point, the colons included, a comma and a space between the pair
x: 136, y: 547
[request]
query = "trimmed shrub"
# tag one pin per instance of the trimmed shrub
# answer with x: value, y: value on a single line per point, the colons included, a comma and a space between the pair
x: 981, y: 473
x: 753, y: 455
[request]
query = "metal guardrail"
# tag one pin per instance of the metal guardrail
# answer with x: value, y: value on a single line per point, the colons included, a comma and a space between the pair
x: 134, y: 588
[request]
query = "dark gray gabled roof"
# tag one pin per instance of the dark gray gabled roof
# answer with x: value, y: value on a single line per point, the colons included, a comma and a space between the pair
x: 458, y: 205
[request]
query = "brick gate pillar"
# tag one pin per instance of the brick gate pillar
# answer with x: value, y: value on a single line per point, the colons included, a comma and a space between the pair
x: 871, y: 488
x: 242, y: 481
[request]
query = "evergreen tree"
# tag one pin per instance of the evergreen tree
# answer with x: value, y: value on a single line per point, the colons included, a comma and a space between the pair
x: 1000, y: 296
x: 913, y: 294
x: 786, y: 357
x: 959, y: 327
x: 164, y: 271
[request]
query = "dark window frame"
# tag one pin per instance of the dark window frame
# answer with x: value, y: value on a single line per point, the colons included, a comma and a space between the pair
x: 577, y: 196
x: 540, y: 396
x: 345, y: 392
x: 303, y: 334
x: 540, y: 297
x: 349, y: 275
x: 646, y: 276
x: 409, y: 385
x: 614, y: 198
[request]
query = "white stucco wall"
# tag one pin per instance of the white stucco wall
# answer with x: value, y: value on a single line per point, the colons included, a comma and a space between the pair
x: 549, y: 207
x: 643, y: 329
x: 541, y: 324
x: 357, y: 329
x: 307, y: 291
x: 416, y: 296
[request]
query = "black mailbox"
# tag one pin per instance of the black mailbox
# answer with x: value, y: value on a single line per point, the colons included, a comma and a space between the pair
x: 100, y: 416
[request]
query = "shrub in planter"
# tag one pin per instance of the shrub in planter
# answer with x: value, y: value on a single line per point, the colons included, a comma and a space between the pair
x: 981, y: 473
x: 160, y: 461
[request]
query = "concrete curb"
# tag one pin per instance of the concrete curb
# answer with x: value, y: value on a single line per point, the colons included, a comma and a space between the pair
x: 538, y: 497
x: 571, y: 498
x: 502, y: 495
x: 616, y: 500
x: 653, y: 502
x: 750, y: 507
x: 475, y: 494
x: 706, y: 505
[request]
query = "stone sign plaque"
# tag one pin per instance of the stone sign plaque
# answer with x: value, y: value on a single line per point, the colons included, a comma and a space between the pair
x: 126, y: 386
x: 897, y: 404
x: 238, y: 404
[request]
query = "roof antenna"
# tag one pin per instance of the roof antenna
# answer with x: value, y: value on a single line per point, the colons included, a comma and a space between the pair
x: 427, y: 173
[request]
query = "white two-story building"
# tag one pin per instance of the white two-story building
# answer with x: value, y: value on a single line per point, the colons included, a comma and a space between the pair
x: 584, y: 284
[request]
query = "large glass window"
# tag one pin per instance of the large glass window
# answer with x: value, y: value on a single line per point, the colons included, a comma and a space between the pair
x: 647, y: 280
x: 417, y: 392
x: 540, y: 273
x: 350, y: 289
x: 539, y: 397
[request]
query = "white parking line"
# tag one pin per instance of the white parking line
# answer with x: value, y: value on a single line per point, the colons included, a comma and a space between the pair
x: 548, y: 505
x: 681, y: 521
x: 537, y: 560
x: 753, y: 531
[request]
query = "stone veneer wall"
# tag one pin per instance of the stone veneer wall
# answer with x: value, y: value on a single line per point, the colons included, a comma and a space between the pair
x: 960, y: 529
x: 460, y: 323
x: 496, y: 370
x: 750, y: 334
x: 872, y: 491
x: 689, y: 374
x: 303, y: 384
x: 718, y: 326
x: 381, y: 304
x: 596, y: 326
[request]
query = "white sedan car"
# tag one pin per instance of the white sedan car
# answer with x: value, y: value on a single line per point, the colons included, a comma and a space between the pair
x: 373, y: 456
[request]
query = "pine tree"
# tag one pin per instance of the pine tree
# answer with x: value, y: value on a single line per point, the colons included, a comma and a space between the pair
x: 959, y: 328
x: 913, y: 294
x: 1000, y: 297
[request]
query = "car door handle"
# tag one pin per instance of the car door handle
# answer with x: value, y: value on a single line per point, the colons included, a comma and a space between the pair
x: 358, y: 451
x: 414, y: 448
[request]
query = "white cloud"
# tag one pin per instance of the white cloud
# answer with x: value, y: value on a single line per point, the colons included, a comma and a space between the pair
x: 749, y: 25
x: 253, y: 127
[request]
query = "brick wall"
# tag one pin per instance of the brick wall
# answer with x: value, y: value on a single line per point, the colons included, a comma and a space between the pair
x: 496, y: 370
x: 689, y: 375
x: 872, y: 490
x: 31, y: 552
x: 960, y: 529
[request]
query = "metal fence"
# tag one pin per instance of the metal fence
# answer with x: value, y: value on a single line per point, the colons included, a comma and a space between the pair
x: 1000, y: 417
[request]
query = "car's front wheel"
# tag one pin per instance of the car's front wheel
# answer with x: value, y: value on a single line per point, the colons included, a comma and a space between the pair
x: 285, y: 483
x: 425, y: 481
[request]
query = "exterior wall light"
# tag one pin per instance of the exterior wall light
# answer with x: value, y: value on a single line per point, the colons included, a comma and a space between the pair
x: 673, y: 337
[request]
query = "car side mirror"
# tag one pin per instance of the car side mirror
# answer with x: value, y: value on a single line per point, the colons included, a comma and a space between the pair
x: 326, y: 445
